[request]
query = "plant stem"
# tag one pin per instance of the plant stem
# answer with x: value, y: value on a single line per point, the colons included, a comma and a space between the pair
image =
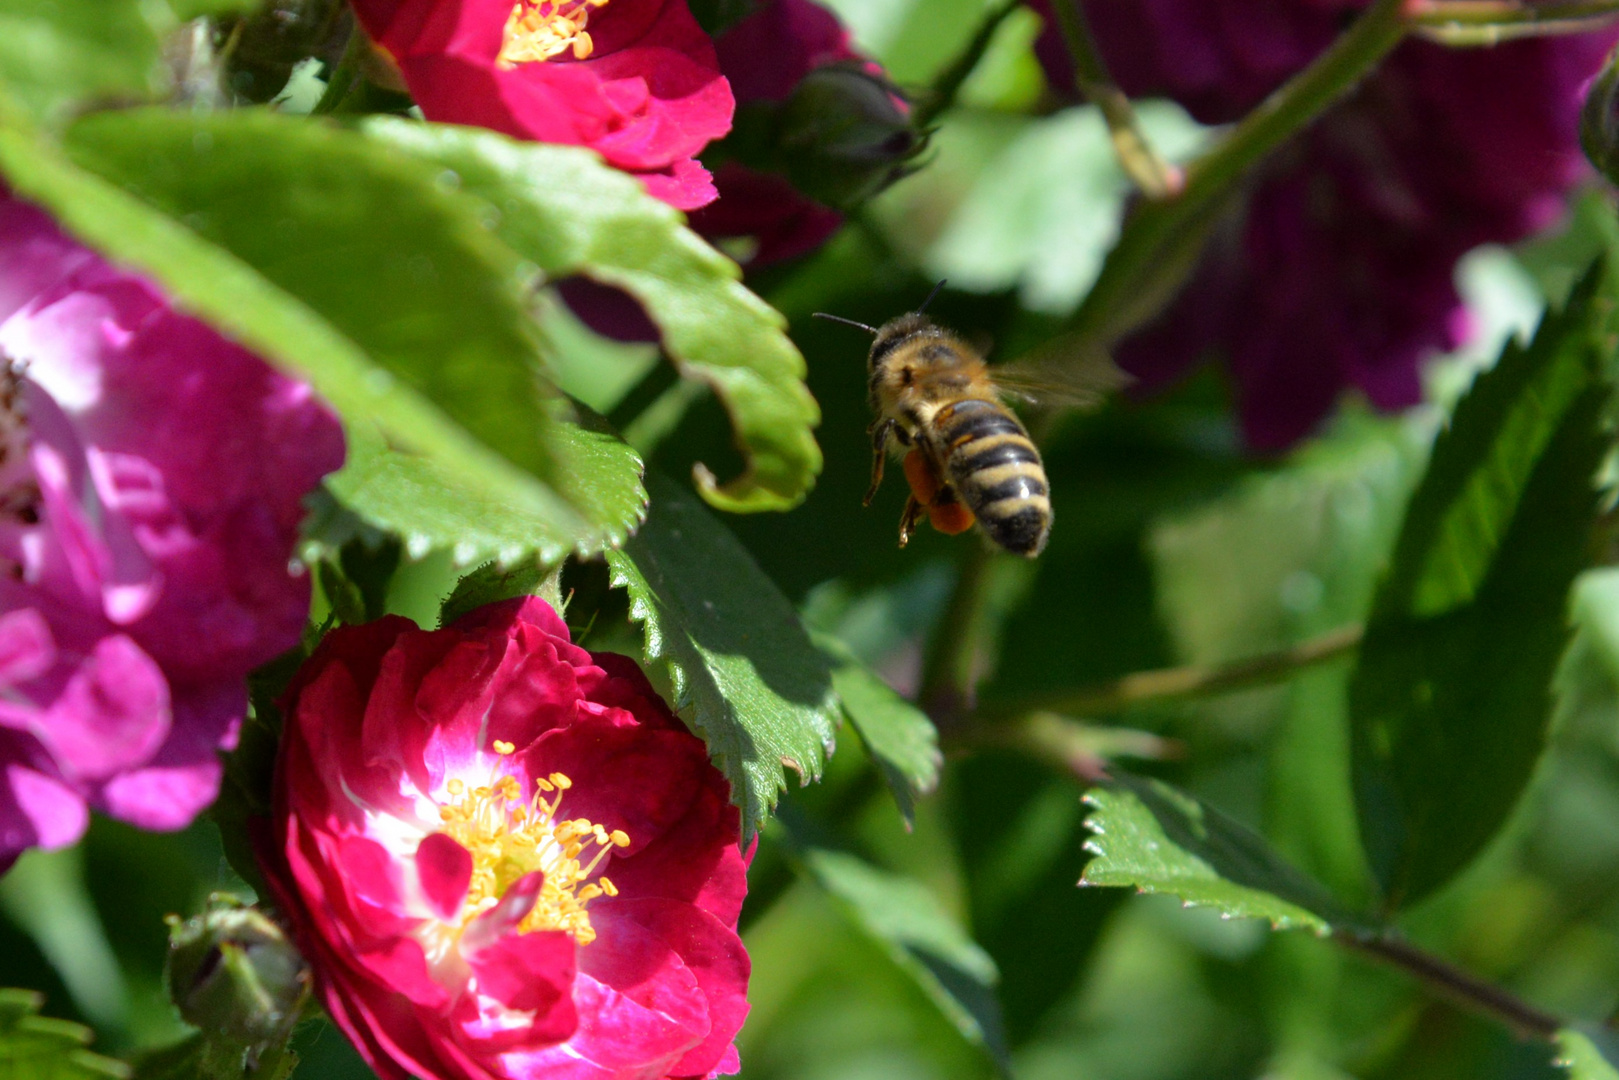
x: 1470, y: 23
x: 1456, y: 985
x: 1495, y: 12
x: 1070, y: 745
x: 1156, y: 178
x: 1185, y: 682
x: 344, y: 76
x: 942, y: 94
x: 1161, y: 240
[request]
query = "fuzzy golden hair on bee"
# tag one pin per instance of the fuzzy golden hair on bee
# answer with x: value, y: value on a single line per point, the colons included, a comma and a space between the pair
x: 968, y: 457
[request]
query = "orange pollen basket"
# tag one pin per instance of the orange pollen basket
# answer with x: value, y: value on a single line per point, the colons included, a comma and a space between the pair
x: 948, y: 515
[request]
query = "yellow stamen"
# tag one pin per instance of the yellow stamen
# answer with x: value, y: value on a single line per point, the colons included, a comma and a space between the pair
x: 538, y: 30
x: 510, y: 838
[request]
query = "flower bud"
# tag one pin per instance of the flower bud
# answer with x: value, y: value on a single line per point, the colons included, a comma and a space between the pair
x: 1599, y: 120
x: 233, y: 974
x: 844, y: 134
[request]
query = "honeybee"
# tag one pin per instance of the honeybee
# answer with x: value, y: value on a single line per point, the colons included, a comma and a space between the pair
x: 967, y: 457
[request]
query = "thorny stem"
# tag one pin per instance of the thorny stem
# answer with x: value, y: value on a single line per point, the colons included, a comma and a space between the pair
x: 1456, y: 985
x: 1194, y: 680
x: 1162, y: 239
x: 1156, y: 178
x: 942, y: 94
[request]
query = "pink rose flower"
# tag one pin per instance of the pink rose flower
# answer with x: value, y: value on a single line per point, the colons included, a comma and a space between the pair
x: 151, y: 483
x: 635, y: 80
x: 504, y: 857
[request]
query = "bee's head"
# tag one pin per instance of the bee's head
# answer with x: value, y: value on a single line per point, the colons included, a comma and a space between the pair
x: 894, y: 331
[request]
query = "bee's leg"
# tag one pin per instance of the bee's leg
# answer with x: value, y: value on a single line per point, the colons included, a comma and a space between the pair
x: 880, y: 433
x: 907, y: 521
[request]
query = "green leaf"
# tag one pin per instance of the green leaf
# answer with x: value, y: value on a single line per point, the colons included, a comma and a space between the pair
x: 34, y: 1047
x: 179, y: 1061
x: 429, y: 507
x: 1451, y: 698
x: 904, y: 916
x: 562, y: 208
x: 310, y: 206
x: 489, y: 584
x: 398, y: 351
x: 56, y: 52
x: 1592, y: 1055
x: 899, y: 737
x: 1150, y: 836
x: 737, y: 663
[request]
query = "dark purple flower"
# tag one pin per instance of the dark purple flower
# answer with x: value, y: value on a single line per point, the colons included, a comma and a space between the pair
x: 788, y: 138
x: 1338, y: 271
x: 151, y: 484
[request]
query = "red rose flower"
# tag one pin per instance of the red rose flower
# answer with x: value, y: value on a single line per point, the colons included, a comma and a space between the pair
x: 635, y: 80
x: 504, y: 857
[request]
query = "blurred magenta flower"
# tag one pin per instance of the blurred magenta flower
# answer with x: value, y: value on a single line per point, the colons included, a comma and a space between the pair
x: 504, y: 856
x: 635, y: 80
x: 814, y: 121
x: 151, y: 483
x: 1339, y: 269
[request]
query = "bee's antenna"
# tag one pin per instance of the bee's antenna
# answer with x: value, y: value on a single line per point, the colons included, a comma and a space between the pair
x: 872, y: 330
x: 931, y: 295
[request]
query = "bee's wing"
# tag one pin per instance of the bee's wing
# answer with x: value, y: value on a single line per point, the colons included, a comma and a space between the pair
x: 1076, y: 382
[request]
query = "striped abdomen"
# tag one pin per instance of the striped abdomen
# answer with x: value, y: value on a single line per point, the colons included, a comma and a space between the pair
x: 997, y: 472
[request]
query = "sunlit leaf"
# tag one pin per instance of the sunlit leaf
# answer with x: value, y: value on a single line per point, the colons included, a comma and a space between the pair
x: 34, y: 1047
x: 429, y: 507
x: 1451, y: 699
x: 55, y: 52
x: 1588, y: 1055
x: 729, y: 648
x: 1150, y: 836
x: 390, y: 347
x: 570, y: 214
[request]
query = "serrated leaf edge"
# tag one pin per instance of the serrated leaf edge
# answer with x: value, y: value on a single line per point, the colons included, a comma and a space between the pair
x: 1310, y: 921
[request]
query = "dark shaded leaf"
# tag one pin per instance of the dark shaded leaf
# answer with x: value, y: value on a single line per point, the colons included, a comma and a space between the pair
x: 899, y: 737
x: 1451, y: 698
x: 909, y: 922
x: 487, y: 585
